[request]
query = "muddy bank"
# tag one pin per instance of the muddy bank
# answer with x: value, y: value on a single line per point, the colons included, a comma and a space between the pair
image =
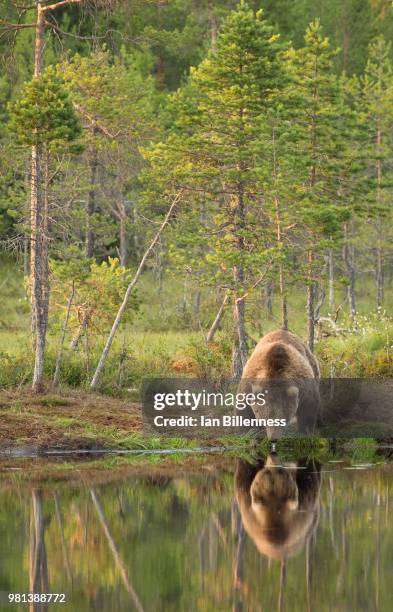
x: 47, y: 470
x: 71, y: 421
x: 78, y: 421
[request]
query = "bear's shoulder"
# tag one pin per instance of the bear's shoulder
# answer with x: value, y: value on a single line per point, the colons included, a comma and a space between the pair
x: 281, y: 354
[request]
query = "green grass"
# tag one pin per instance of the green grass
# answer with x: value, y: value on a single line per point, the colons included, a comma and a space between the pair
x: 166, y: 340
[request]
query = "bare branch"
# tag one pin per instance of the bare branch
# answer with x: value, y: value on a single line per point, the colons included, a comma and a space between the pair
x: 20, y: 7
x: 53, y: 7
x: 95, y: 123
x: 10, y: 27
x: 58, y: 30
x: 257, y: 282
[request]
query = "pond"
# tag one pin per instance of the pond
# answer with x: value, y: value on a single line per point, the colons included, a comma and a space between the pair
x: 243, y: 535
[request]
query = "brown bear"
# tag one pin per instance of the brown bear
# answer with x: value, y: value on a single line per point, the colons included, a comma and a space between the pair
x: 278, y: 503
x: 287, y: 373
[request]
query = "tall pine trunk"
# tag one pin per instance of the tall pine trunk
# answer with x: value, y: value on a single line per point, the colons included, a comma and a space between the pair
x: 240, y: 349
x: 240, y: 344
x: 123, y: 241
x: 349, y: 260
x: 269, y: 300
x: 284, y: 302
x: 38, y: 566
x: 39, y: 281
x: 91, y: 201
x: 37, y: 266
x: 331, y: 280
x: 379, y: 275
x: 279, y: 237
x: 213, y: 25
x: 26, y: 239
x: 379, y: 252
x: 310, y: 303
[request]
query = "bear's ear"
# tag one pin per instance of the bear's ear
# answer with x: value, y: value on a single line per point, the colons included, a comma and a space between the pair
x: 272, y: 461
x: 293, y: 392
x: 293, y: 503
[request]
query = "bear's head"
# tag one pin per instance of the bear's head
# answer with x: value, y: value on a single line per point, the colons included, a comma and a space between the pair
x: 278, y: 505
x: 281, y: 402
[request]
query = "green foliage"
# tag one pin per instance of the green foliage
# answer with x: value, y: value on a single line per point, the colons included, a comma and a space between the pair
x: 275, y: 153
x: 317, y: 136
x: 44, y: 113
x: 97, y: 291
x: 213, y: 361
x: 366, y: 350
x: 210, y: 152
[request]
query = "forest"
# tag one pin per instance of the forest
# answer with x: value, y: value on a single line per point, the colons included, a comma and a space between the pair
x: 178, y: 177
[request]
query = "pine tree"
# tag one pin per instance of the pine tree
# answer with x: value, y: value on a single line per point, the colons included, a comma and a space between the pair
x: 44, y: 119
x: 214, y: 150
x: 377, y: 105
x: 115, y: 102
x: 313, y: 100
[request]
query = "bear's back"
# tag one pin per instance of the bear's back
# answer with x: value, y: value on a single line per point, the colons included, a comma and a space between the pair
x: 281, y: 354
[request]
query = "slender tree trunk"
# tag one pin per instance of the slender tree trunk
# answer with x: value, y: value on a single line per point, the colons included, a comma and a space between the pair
x: 197, y: 304
x: 379, y: 255
x: 39, y: 221
x: 349, y: 259
x: 240, y: 345
x: 123, y: 241
x: 216, y: 323
x: 159, y: 275
x: 213, y: 25
x: 240, y: 348
x: 284, y: 303
x: 184, y: 300
x: 352, y: 280
x: 159, y: 272
x: 115, y: 553
x: 38, y: 571
x: 38, y: 266
x: 39, y: 39
x: 45, y: 240
x: 280, y: 242
x: 311, y: 286
x: 81, y: 330
x: 137, y: 246
x: 62, y: 340
x: 37, y: 249
x: 379, y: 276
x: 26, y: 256
x: 283, y: 580
x: 331, y: 281
x: 311, y: 303
x: 26, y: 240
x: 91, y: 200
x: 62, y: 538
x: 269, y: 302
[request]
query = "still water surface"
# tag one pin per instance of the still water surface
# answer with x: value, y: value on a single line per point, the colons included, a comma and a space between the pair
x: 241, y: 536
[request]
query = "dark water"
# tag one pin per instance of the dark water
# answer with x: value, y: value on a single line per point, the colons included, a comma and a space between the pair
x: 306, y: 537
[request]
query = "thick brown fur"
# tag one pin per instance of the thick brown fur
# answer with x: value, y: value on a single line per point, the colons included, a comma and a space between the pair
x: 281, y: 354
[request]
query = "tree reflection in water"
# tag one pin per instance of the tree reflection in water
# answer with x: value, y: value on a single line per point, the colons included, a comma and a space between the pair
x: 235, y: 535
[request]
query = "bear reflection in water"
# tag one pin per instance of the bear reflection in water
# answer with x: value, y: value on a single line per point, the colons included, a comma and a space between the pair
x: 279, y: 504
